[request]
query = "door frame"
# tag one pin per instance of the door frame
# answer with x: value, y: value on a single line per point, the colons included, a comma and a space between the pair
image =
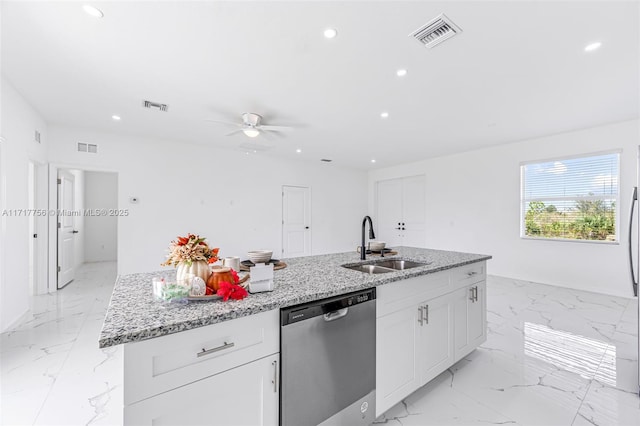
x: 52, y: 243
x: 310, y: 205
x: 3, y: 206
x: 38, y: 225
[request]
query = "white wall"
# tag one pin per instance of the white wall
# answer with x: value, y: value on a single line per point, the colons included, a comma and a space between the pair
x: 229, y: 197
x: 100, y: 192
x: 473, y: 205
x: 18, y: 123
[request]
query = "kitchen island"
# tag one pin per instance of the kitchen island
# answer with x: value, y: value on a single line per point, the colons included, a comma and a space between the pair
x: 179, y: 354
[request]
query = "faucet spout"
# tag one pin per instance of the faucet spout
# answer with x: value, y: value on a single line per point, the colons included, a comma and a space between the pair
x: 372, y: 235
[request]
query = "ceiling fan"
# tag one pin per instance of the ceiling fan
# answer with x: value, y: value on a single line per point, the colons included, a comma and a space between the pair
x: 252, y: 125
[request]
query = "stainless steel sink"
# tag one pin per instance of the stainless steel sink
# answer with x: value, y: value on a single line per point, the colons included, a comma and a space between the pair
x: 399, y: 265
x: 385, y: 266
x: 369, y: 269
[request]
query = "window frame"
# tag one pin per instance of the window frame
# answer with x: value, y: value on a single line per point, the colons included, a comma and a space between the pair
x: 524, y: 200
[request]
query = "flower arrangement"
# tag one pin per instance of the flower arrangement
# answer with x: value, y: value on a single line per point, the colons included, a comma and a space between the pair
x: 190, y: 249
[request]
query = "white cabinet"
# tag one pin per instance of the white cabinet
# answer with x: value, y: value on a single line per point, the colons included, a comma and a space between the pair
x: 221, y: 374
x: 470, y: 318
x: 396, y: 353
x: 418, y: 341
x: 400, y: 211
x: 245, y: 395
x: 435, y: 340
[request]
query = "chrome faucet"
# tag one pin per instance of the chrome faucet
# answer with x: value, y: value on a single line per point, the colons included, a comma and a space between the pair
x: 363, y: 250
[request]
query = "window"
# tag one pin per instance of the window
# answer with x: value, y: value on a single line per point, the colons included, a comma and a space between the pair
x: 572, y: 198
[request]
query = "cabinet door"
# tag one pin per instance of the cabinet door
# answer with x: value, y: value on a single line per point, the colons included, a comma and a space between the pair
x: 435, y: 350
x: 245, y: 395
x: 470, y: 323
x: 462, y: 298
x: 395, y: 357
x: 477, y: 317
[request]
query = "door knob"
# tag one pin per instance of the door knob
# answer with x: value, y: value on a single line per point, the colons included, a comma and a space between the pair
x: 306, y: 227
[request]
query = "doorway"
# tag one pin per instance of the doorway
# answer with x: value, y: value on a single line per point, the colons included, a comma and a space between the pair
x: 85, y: 228
x: 296, y: 221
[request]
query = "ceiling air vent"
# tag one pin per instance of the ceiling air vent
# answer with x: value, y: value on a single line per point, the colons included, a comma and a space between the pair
x: 87, y: 147
x: 155, y: 105
x: 436, y: 31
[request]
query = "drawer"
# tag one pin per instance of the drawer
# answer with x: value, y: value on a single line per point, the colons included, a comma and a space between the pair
x: 157, y: 365
x: 405, y: 293
x: 469, y: 274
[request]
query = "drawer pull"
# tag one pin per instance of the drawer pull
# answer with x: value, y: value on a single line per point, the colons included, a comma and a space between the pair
x: 472, y: 273
x: 204, y: 351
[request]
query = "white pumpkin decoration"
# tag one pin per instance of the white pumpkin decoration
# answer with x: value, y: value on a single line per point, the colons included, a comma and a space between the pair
x: 199, y: 268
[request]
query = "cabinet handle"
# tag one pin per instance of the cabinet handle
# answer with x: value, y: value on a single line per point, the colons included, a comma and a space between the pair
x: 473, y: 296
x: 472, y: 273
x: 204, y: 351
x: 475, y: 293
x: 426, y: 314
x: 420, y: 315
x: 275, y: 376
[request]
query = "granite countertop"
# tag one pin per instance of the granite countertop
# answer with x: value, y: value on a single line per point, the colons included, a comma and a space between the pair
x: 134, y: 315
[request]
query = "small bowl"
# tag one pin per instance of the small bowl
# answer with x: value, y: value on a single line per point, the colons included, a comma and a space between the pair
x: 376, y: 245
x: 260, y: 256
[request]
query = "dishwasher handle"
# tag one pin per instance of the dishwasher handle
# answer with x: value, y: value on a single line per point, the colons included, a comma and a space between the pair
x: 332, y: 316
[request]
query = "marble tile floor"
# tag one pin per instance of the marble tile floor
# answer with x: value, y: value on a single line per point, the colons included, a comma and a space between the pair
x: 553, y: 357
x: 51, y: 369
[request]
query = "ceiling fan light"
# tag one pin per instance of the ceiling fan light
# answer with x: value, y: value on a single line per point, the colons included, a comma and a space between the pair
x: 252, y: 133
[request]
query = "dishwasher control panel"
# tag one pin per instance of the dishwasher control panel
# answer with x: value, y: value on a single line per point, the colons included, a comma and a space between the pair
x: 321, y: 307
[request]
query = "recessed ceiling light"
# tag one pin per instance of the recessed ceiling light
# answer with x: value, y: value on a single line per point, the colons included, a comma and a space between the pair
x: 330, y: 33
x: 115, y: 117
x: 93, y: 11
x: 401, y: 72
x: 373, y: 160
x: 384, y: 115
x: 593, y: 46
x: 298, y: 150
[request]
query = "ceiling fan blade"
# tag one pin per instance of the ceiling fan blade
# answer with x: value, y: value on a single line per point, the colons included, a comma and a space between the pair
x: 276, y: 128
x: 234, y: 132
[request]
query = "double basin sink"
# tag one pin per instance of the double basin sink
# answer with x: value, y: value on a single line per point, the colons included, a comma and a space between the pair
x: 385, y: 266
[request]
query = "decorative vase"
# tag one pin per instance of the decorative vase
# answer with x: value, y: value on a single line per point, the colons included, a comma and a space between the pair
x: 197, y: 268
x: 219, y: 274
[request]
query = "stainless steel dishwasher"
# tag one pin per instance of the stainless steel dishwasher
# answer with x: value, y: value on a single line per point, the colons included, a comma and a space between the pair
x: 328, y: 355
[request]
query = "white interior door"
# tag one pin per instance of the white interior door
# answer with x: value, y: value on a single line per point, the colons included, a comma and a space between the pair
x: 389, y: 212
x: 401, y: 207
x: 66, y: 231
x: 413, y: 212
x: 296, y: 221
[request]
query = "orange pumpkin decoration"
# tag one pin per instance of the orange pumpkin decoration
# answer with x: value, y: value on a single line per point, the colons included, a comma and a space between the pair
x: 219, y: 274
